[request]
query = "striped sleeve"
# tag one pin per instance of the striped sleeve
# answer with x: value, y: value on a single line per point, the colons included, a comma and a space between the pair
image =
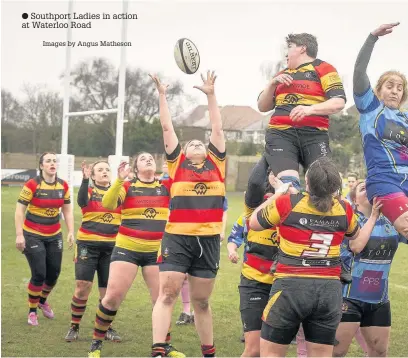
x: 269, y: 216
x: 67, y: 195
x: 330, y: 80
x: 173, y: 161
x: 218, y: 158
x: 27, y: 192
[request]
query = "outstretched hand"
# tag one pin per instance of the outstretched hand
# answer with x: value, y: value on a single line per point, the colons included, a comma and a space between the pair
x: 385, y: 29
x: 86, y: 170
x: 208, y: 83
x: 123, y: 172
x: 161, y: 87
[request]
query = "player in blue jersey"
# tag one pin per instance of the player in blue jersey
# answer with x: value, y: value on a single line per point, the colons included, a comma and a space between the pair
x: 236, y: 238
x: 365, y: 300
x: 384, y: 132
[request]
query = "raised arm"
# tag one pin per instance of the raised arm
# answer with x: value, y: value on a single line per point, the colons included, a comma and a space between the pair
x: 82, y: 198
x: 217, y: 134
x: 169, y: 135
x: 360, y: 79
x: 360, y: 241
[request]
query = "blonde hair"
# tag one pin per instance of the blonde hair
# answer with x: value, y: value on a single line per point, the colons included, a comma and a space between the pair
x: 384, y: 77
x: 97, y: 162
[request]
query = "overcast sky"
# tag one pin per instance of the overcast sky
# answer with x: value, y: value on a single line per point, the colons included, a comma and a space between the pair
x: 234, y: 38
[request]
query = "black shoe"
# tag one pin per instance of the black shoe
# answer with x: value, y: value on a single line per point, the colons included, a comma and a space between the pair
x: 184, y: 318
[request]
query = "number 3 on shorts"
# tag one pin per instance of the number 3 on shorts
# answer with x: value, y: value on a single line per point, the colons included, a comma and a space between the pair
x: 321, y: 242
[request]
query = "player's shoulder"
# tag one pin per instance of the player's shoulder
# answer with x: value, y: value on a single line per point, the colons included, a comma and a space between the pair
x: 33, y: 183
x: 323, y: 67
x: 62, y: 182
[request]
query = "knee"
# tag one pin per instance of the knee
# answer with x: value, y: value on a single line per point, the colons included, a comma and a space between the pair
x: 201, y: 304
x: 251, y: 351
x: 112, y: 300
x: 339, y: 352
x: 169, y: 296
x: 38, y: 278
x: 83, y: 289
x: 401, y: 225
x: 379, y: 350
x: 52, y: 276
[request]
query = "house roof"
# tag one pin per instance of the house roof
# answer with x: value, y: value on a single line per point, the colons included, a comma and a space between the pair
x: 259, y: 125
x: 233, y: 117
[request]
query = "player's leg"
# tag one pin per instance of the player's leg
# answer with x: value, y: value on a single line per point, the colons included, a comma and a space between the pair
x: 392, y: 191
x: 314, y: 144
x: 201, y: 277
x: 253, y: 299
x: 282, y: 152
x: 289, y: 301
x: 376, y: 329
x: 301, y: 348
x: 361, y: 342
x: 185, y: 317
x: 36, y: 257
x: 86, y: 263
x: 257, y: 179
x: 53, y: 261
x: 122, y: 272
x: 395, y: 208
x: 150, y: 271
x: 174, y: 261
x: 321, y: 324
x: 103, y: 279
x: 352, y: 313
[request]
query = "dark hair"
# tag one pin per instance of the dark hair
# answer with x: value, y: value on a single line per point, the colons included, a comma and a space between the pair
x: 354, y: 175
x: 307, y: 40
x: 353, y: 191
x: 41, y: 160
x: 136, y: 159
x: 324, y: 182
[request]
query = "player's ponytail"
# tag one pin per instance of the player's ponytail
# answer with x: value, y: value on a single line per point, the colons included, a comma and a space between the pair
x: 324, y: 182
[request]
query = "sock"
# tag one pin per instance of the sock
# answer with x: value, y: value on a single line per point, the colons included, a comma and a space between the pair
x: 301, y: 344
x: 46, y: 290
x: 34, y: 293
x: 185, y: 297
x: 77, y: 311
x: 159, y: 349
x: 208, y: 351
x: 168, y: 337
x: 361, y: 341
x: 103, y: 320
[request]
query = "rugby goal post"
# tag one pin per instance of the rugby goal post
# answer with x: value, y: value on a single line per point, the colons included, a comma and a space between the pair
x: 67, y: 161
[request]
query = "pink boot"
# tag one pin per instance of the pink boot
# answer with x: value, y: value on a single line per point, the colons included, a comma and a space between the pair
x: 47, y: 311
x: 32, y: 319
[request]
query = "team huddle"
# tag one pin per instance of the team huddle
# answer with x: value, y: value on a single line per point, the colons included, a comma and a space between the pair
x: 315, y: 266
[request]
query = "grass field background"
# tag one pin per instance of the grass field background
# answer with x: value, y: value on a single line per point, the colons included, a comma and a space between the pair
x: 133, y: 320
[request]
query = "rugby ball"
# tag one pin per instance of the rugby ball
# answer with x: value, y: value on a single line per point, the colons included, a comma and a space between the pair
x: 187, y: 56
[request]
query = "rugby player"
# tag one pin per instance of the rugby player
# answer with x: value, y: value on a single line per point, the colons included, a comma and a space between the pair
x: 39, y: 235
x: 191, y: 243
x: 384, y: 132
x: 95, y: 242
